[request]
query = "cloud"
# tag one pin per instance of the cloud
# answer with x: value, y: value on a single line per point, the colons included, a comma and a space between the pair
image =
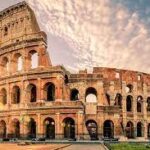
x: 94, y: 33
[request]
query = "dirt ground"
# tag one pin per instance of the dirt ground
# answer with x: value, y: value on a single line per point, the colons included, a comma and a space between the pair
x: 31, y: 147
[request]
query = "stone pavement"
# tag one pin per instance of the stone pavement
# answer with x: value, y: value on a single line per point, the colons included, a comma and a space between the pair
x: 84, y: 147
x: 10, y: 146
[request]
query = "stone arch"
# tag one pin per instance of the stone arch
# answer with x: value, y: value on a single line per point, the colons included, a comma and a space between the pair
x: 91, y: 95
x: 3, y: 96
x: 49, y: 128
x: 3, y: 129
x: 139, y: 104
x: 32, y: 93
x: 130, y: 130
x: 118, y: 100
x: 16, y: 95
x: 5, y: 31
x: 49, y: 91
x: 129, y: 88
x: 92, y: 128
x: 32, y: 128
x: 74, y: 94
x: 34, y: 60
x: 5, y: 65
x: 108, y: 129
x: 69, y: 128
x: 15, y: 127
x: 18, y: 62
x: 139, y: 129
x: 129, y: 100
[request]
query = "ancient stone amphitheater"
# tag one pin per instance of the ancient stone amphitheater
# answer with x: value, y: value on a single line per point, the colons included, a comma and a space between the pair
x: 38, y: 99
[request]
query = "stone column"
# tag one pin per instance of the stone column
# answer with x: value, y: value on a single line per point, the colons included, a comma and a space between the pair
x: 39, y: 126
x: 59, y: 88
x: 39, y: 90
x: 58, y: 125
x: 79, y: 125
x: 145, y: 134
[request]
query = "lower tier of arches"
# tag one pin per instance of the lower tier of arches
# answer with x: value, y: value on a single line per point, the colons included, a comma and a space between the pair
x: 70, y: 127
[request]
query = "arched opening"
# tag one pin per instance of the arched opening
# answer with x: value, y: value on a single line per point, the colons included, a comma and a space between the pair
x: 69, y: 128
x: 129, y: 103
x: 139, y: 129
x: 139, y: 107
x: 129, y: 88
x: 130, y: 130
x: 15, y: 95
x: 74, y: 95
x: 108, y: 98
x: 5, y: 31
x: 148, y: 104
x: 108, y: 129
x: 118, y: 100
x: 16, y: 129
x: 139, y: 103
x: 50, y: 91
x: 5, y: 65
x: 66, y: 79
x: 18, y: 62
x: 49, y: 124
x: 148, y: 130
x: 92, y: 128
x: 32, y: 92
x: 32, y: 128
x: 2, y: 129
x: 3, y: 96
x: 34, y: 59
x: 91, y: 95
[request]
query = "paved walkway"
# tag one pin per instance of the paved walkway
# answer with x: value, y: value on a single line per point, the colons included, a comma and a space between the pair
x: 10, y: 146
x: 84, y: 147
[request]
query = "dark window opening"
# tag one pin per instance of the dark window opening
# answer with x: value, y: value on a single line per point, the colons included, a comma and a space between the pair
x: 118, y: 100
x: 69, y: 128
x: 5, y: 31
x: 74, y: 95
x: 92, y: 128
x: 66, y: 79
x: 130, y: 130
x: 139, y: 129
x: 129, y: 103
x: 16, y: 95
x: 108, y: 129
x: 49, y: 128
x: 32, y: 128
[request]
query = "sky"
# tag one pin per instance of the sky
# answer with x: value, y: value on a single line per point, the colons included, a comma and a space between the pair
x: 95, y: 33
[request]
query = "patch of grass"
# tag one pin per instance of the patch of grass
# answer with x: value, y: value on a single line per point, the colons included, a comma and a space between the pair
x: 130, y: 146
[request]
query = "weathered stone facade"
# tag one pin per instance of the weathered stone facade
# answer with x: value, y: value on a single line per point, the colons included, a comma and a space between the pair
x: 41, y: 100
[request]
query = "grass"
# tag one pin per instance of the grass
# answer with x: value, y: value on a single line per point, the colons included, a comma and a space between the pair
x: 130, y: 146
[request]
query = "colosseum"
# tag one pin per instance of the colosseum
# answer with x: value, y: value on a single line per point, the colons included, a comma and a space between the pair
x: 39, y: 100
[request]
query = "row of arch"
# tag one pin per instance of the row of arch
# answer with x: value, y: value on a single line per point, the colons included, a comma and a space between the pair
x: 48, y: 124
x: 31, y: 92
x: 91, y: 96
x: 69, y: 129
x: 17, y: 62
x: 49, y: 92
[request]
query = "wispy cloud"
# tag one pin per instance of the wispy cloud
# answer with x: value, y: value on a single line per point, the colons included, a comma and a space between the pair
x: 94, y: 33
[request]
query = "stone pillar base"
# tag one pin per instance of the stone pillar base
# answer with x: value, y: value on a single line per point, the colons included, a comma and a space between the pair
x: 59, y: 137
x: 123, y: 138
